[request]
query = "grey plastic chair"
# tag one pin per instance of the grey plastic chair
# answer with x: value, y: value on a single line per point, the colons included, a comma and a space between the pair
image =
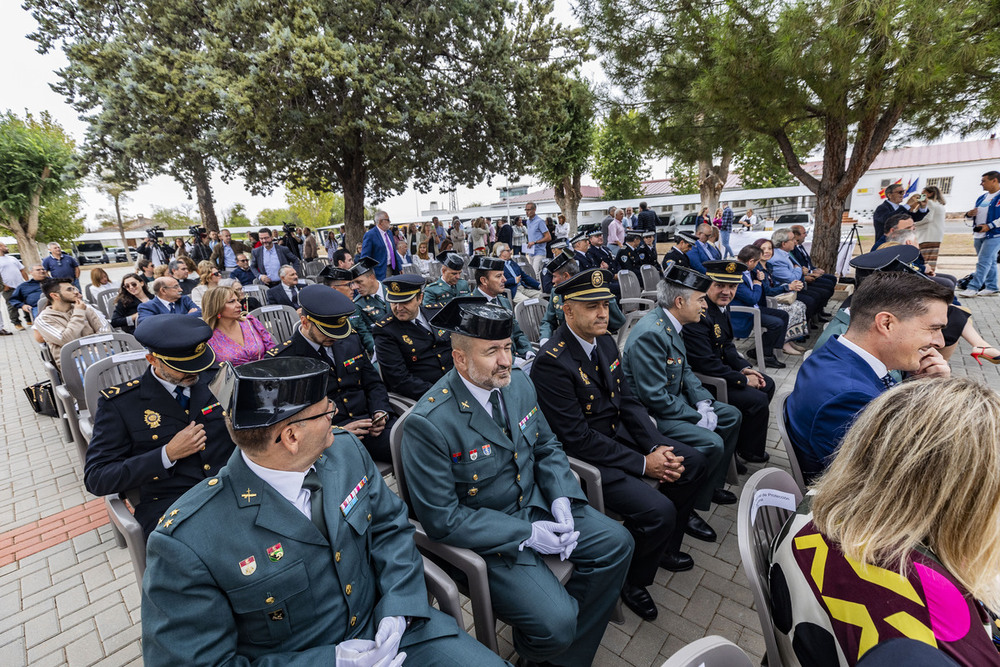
x: 632, y: 298
x: 630, y: 321
x: 722, y: 395
x: 755, y: 536
x: 786, y: 440
x: 48, y: 362
x: 114, y: 370
x: 758, y: 340
x: 279, y: 320
x: 711, y: 651
x: 104, y: 300
x: 650, y: 278
x: 256, y: 291
x: 470, y: 563
x: 529, y: 315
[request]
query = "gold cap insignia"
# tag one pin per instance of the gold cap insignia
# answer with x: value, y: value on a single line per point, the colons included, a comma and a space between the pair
x: 731, y: 267
x: 596, y: 279
x: 394, y: 286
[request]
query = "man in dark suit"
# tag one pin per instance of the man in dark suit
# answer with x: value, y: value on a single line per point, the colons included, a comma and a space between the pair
x: 168, y: 300
x: 270, y: 257
x: 894, y: 204
x: 486, y: 473
x: 583, y: 393
x: 412, y: 354
x: 683, y: 242
x: 164, y: 432
x: 710, y: 351
x: 811, y: 274
x: 355, y: 388
x: 286, y: 292
x: 702, y: 251
x: 580, y: 247
x: 563, y: 267
x: 647, y: 220
x: 521, y: 285
x: 297, y: 553
x: 505, y: 233
x: 896, y: 324
x: 224, y: 254
x: 379, y: 245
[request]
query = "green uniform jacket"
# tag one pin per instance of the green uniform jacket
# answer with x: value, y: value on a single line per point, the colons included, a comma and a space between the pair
x: 554, y: 317
x: 374, y: 308
x: 440, y: 292
x: 361, y: 327
x: 655, y: 361
x: 470, y: 485
x: 205, y: 603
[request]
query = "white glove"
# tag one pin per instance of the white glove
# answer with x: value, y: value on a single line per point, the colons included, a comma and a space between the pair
x: 383, y: 652
x: 542, y: 342
x: 709, y: 419
x: 563, y: 513
x: 545, y: 541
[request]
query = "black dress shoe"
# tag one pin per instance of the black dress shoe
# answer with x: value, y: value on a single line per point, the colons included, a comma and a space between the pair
x: 753, y: 458
x: 772, y: 362
x: 741, y: 468
x: 723, y: 497
x: 823, y: 317
x: 638, y: 600
x: 699, y: 529
x: 676, y: 562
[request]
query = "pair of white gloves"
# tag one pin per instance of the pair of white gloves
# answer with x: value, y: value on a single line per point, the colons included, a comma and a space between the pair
x: 709, y: 419
x: 382, y: 652
x: 554, y: 537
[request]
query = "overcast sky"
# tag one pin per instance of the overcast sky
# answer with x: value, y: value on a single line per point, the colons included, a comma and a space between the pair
x: 26, y: 78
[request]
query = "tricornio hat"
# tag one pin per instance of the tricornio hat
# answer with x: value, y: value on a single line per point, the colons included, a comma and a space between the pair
x: 473, y: 316
x: 685, y: 277
x: 271, y: 390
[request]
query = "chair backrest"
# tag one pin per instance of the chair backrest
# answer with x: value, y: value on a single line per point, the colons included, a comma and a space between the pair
x: 629, y: 285
x: 43, y: 302
x: 630, y: 321
x: 111, y: 371
x: 529, y: 270
x: 650, y: 277
x: 768, y: 499
x: 306, y: 281
x: 105, y: 300
x: 257, y: 292
x: 786, y: 440
x: 279, y: 320
x: 529, y: 314
x: 711, y: 651
x: 396, y: 449
x: 77, y: 355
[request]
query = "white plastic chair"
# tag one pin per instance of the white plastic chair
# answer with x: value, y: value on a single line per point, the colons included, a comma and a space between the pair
x: 711, y: 651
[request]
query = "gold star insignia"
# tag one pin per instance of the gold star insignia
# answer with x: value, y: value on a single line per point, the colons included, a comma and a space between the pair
x: 167, y: 524
x: 174, y: 513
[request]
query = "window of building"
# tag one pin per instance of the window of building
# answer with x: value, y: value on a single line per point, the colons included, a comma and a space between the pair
x: 885, y: 182
x: 740, y: 203
x: 943, y: 183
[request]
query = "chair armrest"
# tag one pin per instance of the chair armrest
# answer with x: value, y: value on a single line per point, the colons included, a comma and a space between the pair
x: 649, y: 294
x: 721, y: 388
x: 644, y: 304
x: 400, y: 403
x: 123, y: 520
x: 590, y: 477
x: 444, y: 590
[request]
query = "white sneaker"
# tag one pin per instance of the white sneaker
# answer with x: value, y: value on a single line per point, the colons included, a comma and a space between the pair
x: 987, y: 292
x: 968, y: 293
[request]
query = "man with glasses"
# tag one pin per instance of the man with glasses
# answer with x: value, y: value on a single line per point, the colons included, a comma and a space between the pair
x: 225, y: 253
x: 894, y: 204
x: 67, y: 317
x: 164, y: 432
x: 242, y: 272
x: 538, y: 237
x: 378, y: 245
x: 270, y: 257
x: 169, y: 299
x: 355, y: 388
x: 342, y: 280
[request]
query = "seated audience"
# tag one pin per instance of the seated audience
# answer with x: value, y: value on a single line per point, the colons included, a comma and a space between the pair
x: 703, y: 251
x: 370, y: 291
x: 164, y: 432
x: 421, y: 261
x: 896, y: 324
x: 775, y: 322
x: 132, y: 292
x: 25, y: 296
x: 179, y: 269
x: 342, y: 259
x: 562, y: 267
x: 342, y: 280
x: 583, y: 395
x: 145, y: 269
x: 683, y: 243
x: 67, y: 317
x: 161, y: 270
x: 522, y: 286
x: 99, y: 279
x: 489, y: 280
x: 286, y: 291
x: 236, y: 336
x: 242, y: 272
x: 249, y: 303
x: 786, y: 271
x: 167, y: 299
x: 710, y: 351
x: 899, y: 539
x: 450, y: 284
x: 811, y: 273
x: 208, y: 276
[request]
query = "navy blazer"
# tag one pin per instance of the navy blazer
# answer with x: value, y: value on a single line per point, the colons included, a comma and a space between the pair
x: 155, y: 307
x: 747, y: 294
x: 284, y: 254
x: 885, y: 210
x: 510, y: 273
x: 833, y: 386
x: 700, y: 253
x: 276, y: 296
x: 373, y: 245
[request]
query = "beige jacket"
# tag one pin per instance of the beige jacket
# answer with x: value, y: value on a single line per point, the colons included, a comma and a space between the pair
x: 58, y: 328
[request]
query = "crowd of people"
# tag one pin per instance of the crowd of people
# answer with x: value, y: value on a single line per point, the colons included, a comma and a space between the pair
x: 226, y: 438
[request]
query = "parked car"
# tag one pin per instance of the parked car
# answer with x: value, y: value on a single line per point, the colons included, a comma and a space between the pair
x: 804, y: 218
x: 90, y: 252
x: 122, y: 255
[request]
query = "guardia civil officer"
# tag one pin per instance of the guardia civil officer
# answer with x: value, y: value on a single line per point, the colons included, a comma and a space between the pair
x: 490, y: 285
x: 584, y: 395
x: 163, y: 432
x: 563, y: 268
x: 450, y: 284
x: 710, y: 351
x: 412, y: 354
x: 371, y: 293
x: 486, y: 473
x: 342, y: 280
x: 325, y: 333
x: 296, y: 553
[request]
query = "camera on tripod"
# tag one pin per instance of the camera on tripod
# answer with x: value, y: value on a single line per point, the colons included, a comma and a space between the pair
x: 195, y: 230
x: 154, y: 233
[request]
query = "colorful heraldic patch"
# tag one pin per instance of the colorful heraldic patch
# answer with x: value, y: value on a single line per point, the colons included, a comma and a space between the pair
x: 456, y: 457
x: 613, y: 366
x: 248, y: 566
x: 275, y: 553
x: 473, y: 454
x: 353, y: 360
x: 487, y: 450
x: 352, y: 497
x: 528, y: 416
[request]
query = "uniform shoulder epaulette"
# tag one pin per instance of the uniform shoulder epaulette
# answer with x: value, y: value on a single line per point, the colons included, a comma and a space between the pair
x: 435, y: 397
x: 275, y: 351
x: 119, y: 389
x: 434, y: 306
x: 382, y: 322
x: 189, y: 503
x: 555, y: 349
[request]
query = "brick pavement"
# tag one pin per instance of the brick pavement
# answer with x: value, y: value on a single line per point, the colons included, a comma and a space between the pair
x: 75, y: 601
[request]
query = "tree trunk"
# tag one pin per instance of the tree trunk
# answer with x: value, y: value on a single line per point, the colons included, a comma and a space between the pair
x: 203, y: 189
x: 353, y: 178
x: 26, y: 246
x: 121, y: 225
x: 711, y: 179
x: 568, y: 195
x: 826, y: 233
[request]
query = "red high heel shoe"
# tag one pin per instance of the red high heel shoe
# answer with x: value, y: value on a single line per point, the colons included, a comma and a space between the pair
x: 979, y: 356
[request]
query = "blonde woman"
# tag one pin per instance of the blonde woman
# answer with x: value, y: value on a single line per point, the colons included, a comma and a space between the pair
x: 208, y: 276
x: 237, y: 338
x: 930, y: 230
x: 429, y: 236
x: 422, y: 260
x: 478, y: 236
x: 902, y: 536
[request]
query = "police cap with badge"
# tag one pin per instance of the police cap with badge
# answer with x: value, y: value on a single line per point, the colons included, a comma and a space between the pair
x: 486, y: 263
x: 473, y: 316
x: 725, y: 271
x: 179, y: 341
x: 363, y: 266
x: 590, y: 285
x: 327, y: 309
x: 596, y: 231
x: 330, y: 273
x: 576, y: 239
x: 886, y: 258
x: 634, y: 235
x: 685, y: 277
x: 451, y: 259
x: 263, y: 393
x: 404, y: 287
x: 686, y: 237
x: 559, y: 262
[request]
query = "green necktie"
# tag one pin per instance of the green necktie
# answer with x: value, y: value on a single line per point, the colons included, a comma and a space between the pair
x: 312, y: 483
x: 497, y: 411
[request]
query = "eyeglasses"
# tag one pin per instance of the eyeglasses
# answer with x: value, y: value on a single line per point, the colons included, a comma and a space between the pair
x: 331, y: 411
x: 216, y: 273
x: 242, y: 261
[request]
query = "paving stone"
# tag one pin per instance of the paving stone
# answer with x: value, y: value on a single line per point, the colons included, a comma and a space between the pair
x: 614, y: 639
x: 644, y: 646
x: 84, y: 651
x: 701, y: 607
x: 42, y: 627
x: 60, y: 641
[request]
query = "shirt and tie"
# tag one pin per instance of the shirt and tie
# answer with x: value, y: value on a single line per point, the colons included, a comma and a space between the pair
x: 880, y: 369
x: 183, y: 397
x: 390, y: 251
x: 293, y: 294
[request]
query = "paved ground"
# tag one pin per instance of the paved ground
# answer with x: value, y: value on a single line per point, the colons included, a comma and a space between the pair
x: 69, y: 596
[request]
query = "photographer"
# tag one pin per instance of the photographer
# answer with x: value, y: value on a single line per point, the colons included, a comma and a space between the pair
x: 290, y: 241
x: 153, y: 248
x: 199, y: 250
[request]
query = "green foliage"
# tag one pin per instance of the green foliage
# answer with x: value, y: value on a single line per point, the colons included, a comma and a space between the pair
x: 61, y: 218
x: 274, y: 218
x: 683, y: 178
x: 315, y: 209
x: 236, y: 216
x: 617, y: 165
x: 173, y: 218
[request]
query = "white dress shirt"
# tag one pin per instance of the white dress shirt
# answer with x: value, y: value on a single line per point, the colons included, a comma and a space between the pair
x: 880, y: 369
x: 288, y: 483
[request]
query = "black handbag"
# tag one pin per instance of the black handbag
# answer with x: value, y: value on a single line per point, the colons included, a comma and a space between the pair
x: 42, y: 398
x: 963, y: 283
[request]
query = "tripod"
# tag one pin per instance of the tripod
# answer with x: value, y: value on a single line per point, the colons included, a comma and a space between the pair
x: 855, y: 236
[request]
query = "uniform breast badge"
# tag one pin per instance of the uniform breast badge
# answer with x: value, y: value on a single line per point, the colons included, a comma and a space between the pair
x: 407, y: 340
x: 717, y: 330
x: 352, y: 497
x: 248, y: 566
x: 152, y: 419
x: 473, y: 454
x: 487, y: 450
x: 524, y: 420
x: 275, y: 553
